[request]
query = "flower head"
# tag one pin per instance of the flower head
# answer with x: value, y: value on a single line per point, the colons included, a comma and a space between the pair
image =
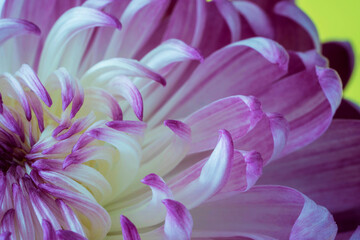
x: 154, y: 119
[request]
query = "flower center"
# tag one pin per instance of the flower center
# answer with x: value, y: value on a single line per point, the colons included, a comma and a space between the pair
x: 12, y: 152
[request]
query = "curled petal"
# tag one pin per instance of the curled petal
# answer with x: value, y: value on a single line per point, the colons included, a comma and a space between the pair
x: 200, y: 182
x: 122, y: 86
x: 13, y: 27
x: 178, y: 222
x: 149, y: 207
x: 129, y: 230
x: 231, y: 17
x: 27, y: 74
x: 237, y: 114
x: 48, y: 230
x: 284, y: 213
x: 169, y: 52
x: 256, y: 18
x: 110, y: 68
x: 134, y: 127
x: 69, y: 24
x: 290, y: 10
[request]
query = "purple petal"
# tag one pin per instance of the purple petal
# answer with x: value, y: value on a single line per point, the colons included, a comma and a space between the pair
x: 316, y: 93
x: 268, y: 137
x: 8, y: 221
x: 264, y: 212
x: 196, y: 184
x: 259, y: 59
x: 134, y: 127
x: 237, y: 114
x: 70, y: 217
x: 122, y: 86
x: 66, y: 27
x: 256, y: 18
x: 129, y: 230
x: 231, y: 17
x: 48, y: 230
x: 13, y: 27
x: 5, y: 236
x: 179, y: 128
x: 66, y: 235
x: 27, y: 74
x: 245, y: 171
x: 178, y: 223
x: 110, y: 68
x: 67, y: 87
x: 102, y: 101
x: 333, y: 158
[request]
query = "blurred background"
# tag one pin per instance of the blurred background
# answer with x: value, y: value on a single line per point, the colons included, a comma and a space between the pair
x: 340, y: 21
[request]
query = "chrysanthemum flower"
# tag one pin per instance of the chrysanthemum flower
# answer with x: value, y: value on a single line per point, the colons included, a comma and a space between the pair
x: 155, y: 118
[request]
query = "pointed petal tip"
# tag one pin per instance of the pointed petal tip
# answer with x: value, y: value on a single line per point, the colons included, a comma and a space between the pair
x: 179, y: 128
x: 129, y: 230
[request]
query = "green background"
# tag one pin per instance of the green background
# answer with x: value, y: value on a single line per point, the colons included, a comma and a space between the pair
x: 338, y: 20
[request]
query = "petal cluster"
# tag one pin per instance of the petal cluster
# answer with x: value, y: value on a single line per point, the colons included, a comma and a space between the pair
x: 153, y: 119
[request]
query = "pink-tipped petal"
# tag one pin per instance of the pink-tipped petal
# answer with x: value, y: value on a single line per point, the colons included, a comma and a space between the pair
x: 268, y: 137
x: 129, y: 230
x: 245, y: 171
x: 169, y: 52
x: 27, y: 74
x: 123, y: 87
x: 48, y: 230
x: 13, y: 27
x: 67, y: 87
x: 134, y: 127
x: 333, y: 158
x: 238, y: 67
x: 110, y: 68
x: 316, y: 93
x: 77, y: 101
x: 237, y: 114
x: 178, y: 222
x: 149, y: 206
x: 331, y: 84
x: 179, y: 128
x: 66, y: 27
x: 102, y: 101
x: 198, y: 183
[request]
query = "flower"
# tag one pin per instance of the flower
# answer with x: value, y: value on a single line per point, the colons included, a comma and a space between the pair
x: 155, y: 118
